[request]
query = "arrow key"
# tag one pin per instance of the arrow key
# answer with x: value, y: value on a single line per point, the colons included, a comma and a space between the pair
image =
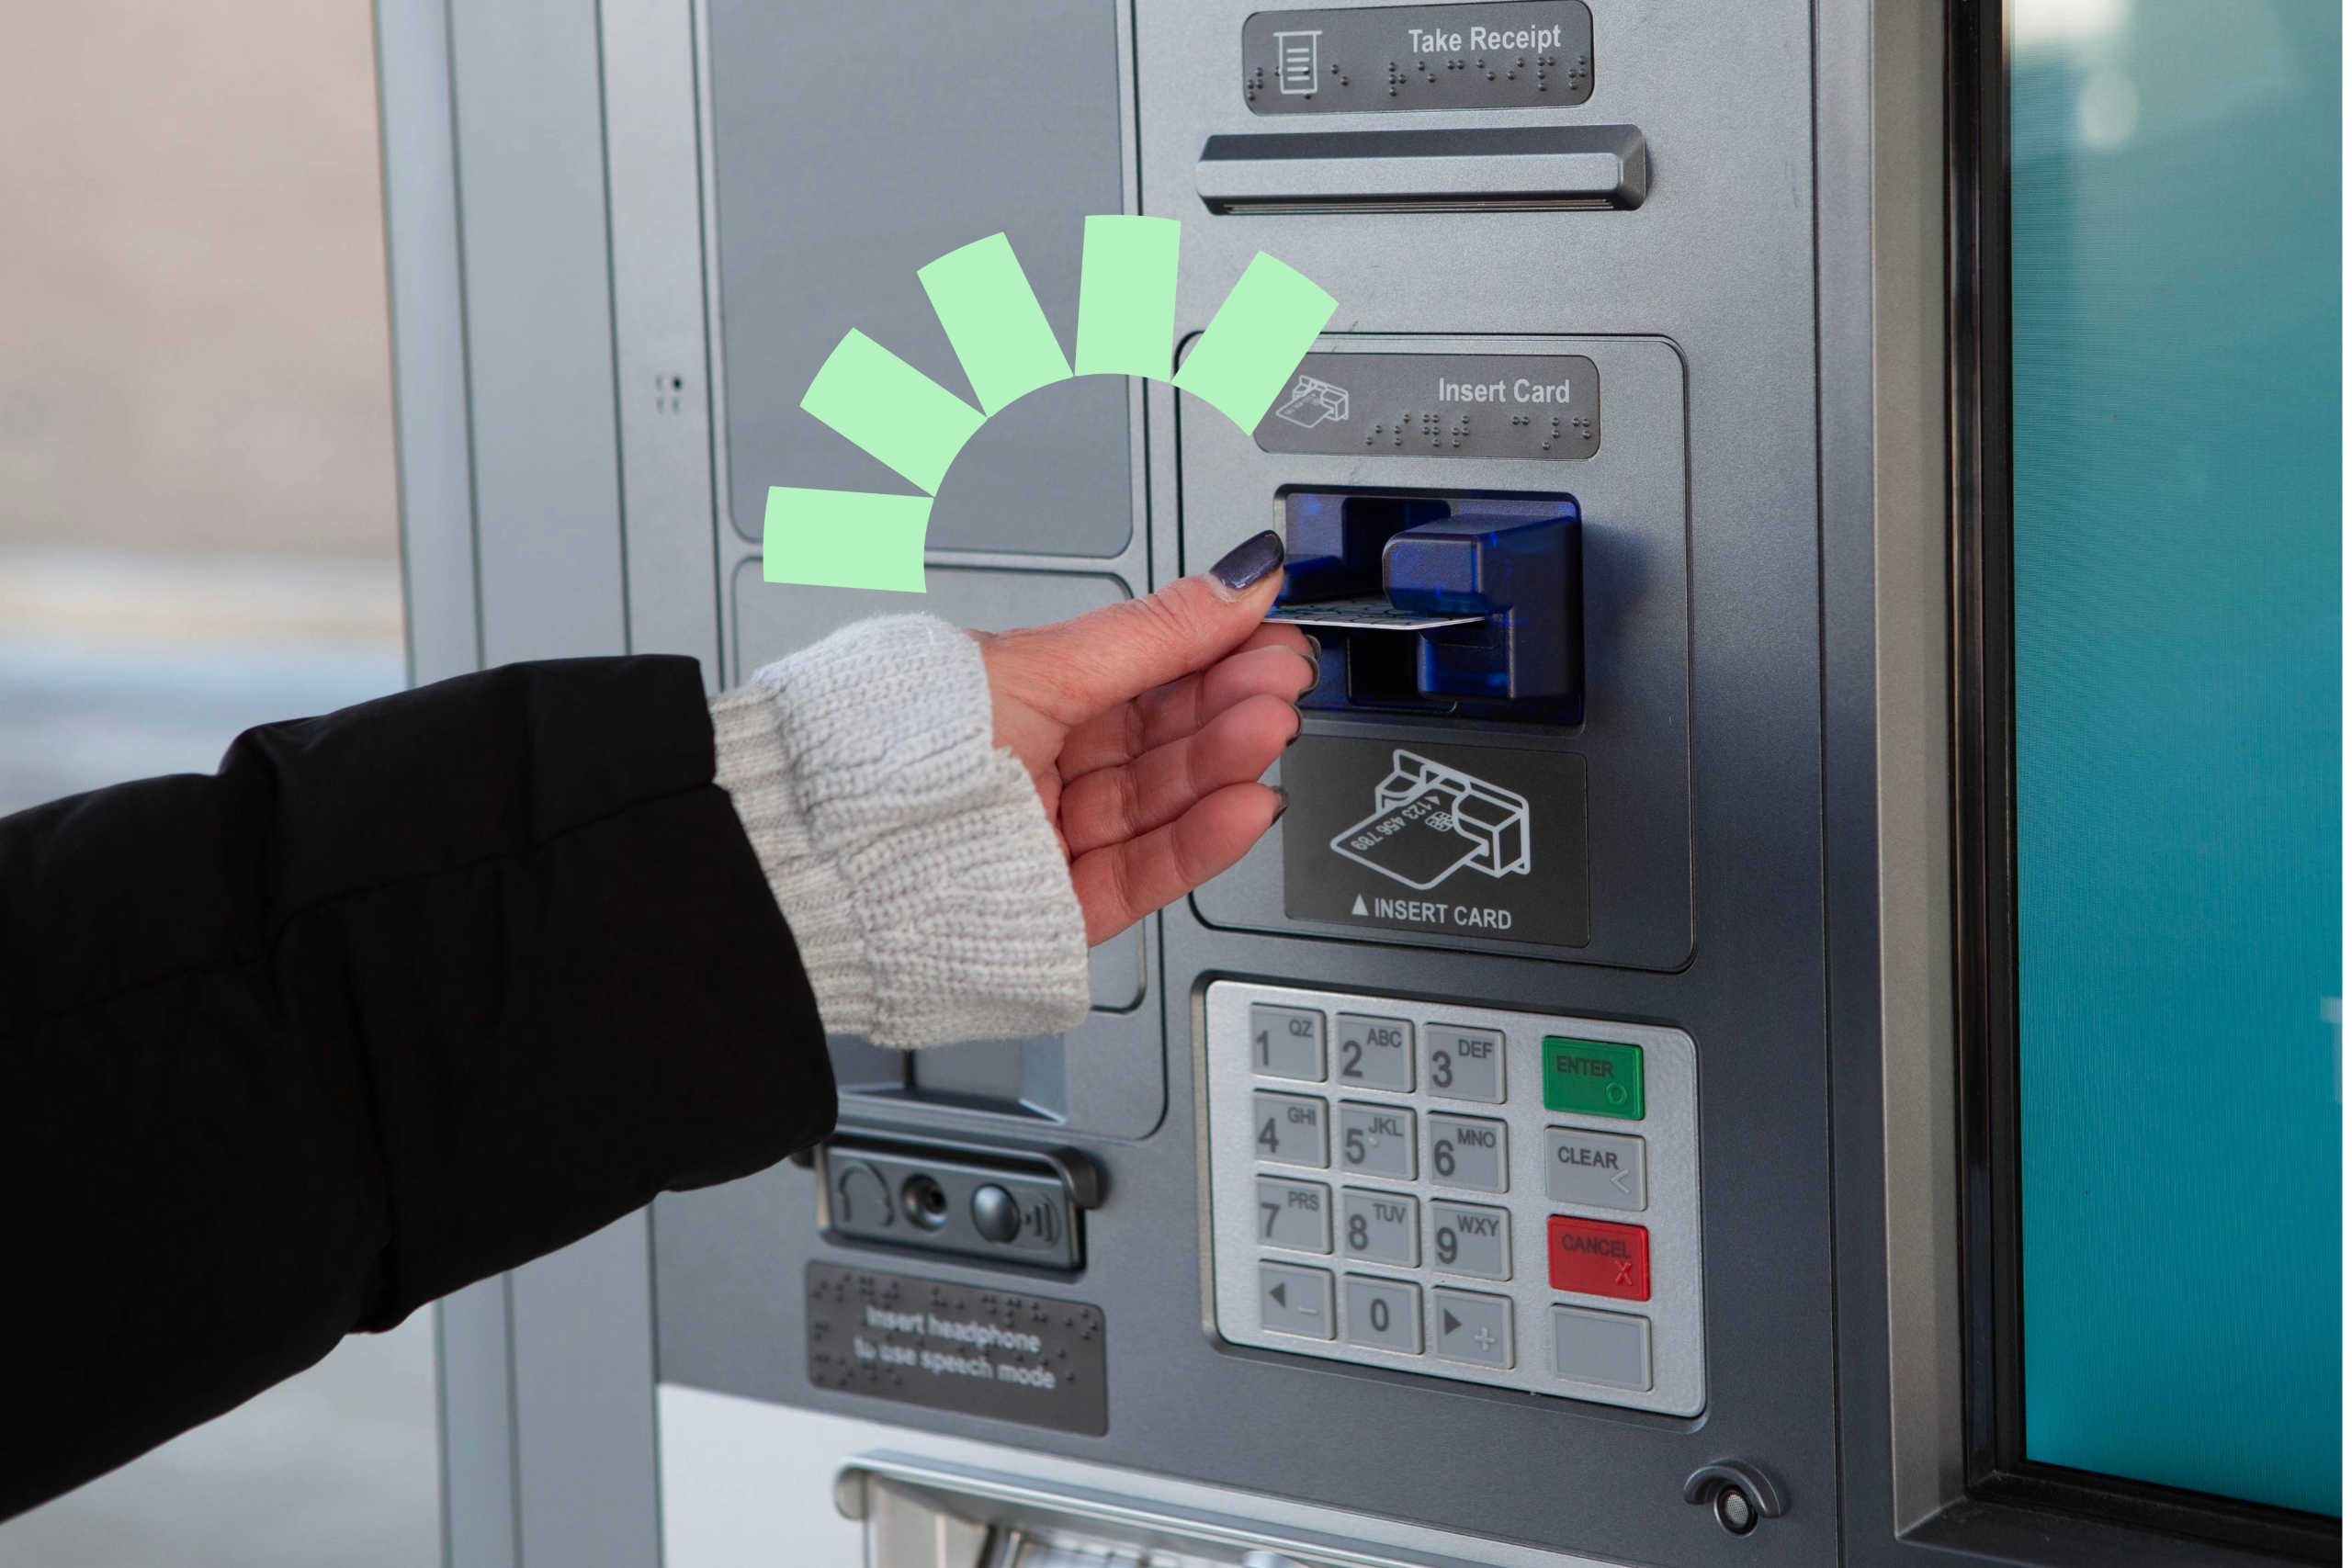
x: 1294, y: 1300
x: 1474, y: 1329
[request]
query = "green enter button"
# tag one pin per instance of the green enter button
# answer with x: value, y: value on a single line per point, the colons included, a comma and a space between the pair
x: 1591, y: 1078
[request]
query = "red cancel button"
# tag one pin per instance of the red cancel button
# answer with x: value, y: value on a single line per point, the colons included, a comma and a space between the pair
x: 1599, y: 1259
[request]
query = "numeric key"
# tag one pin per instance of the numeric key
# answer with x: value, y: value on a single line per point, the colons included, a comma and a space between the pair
x: 1384, y: 1315
x: 1296, y: 1215
x: 1376, y: 1140
x: 1469, y: 1151
x: 1291, y: 1129
x: 1374, y: 1052
x: 1463, y: 1063
x: 1468, y: 1240
x: 1381, y: 1227
x: 1286, y: 1043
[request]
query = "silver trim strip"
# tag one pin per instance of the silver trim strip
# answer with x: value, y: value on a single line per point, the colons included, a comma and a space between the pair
x: 1533, y: 167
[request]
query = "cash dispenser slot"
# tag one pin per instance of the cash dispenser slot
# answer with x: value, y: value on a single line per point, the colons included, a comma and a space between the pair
x: 1465, y: 605
x: 916, y: 1512
x: 1530, y: 168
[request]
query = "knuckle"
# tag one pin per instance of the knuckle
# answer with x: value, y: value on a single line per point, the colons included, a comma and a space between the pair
x: 1120, y: 873
x: 1135, y: 727
x: 1160, y: 618
x: 1126, y: 805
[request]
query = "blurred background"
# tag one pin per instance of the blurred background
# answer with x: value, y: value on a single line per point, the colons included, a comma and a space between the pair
x: 199, y: 531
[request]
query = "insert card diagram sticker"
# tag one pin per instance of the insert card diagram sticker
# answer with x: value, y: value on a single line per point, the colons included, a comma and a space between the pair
x: 1429, y: 821
x: 1476, y: 842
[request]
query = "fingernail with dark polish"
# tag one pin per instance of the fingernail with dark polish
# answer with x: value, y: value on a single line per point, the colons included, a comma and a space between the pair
x: 1293, y: 737
x: 1248, y: 561
x: 1314, y: 649
x: 1281, y: 804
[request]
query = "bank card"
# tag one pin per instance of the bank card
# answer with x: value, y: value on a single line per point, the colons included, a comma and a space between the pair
x: 1373, y: 613
x: 1413, y: 843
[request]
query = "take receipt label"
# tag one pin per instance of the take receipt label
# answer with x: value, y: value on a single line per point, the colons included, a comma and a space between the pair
x: 1468, y: 841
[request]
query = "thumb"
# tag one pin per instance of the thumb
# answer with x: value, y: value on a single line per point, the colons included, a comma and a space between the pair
x: 1079, y: 668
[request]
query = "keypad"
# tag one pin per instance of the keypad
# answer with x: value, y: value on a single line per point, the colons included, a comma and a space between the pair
x: 1492, y: 1197
x: 1604, y: 1170
x: 1610, y: 1347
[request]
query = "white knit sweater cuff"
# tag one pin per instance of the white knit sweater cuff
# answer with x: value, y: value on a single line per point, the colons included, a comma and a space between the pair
x: 911, y: 857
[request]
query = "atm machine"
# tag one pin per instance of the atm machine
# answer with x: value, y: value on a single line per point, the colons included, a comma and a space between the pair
x: 1551, y: 1145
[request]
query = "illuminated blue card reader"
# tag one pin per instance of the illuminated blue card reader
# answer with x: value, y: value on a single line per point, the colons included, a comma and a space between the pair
x: 1466, y: 605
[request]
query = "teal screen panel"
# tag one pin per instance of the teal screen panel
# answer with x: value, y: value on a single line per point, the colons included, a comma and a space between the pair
x: 2176, y: 343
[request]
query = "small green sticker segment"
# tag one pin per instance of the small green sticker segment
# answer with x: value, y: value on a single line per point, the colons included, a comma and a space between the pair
x: 843, y: 538
x: 891, y: 408
x: 1256, y: 340
x: 1126, y: 295
x: 1593, y: 1078
x: 992, y: 318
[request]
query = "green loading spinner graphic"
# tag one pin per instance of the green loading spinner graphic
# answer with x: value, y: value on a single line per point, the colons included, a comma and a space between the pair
x: 1126, y: 317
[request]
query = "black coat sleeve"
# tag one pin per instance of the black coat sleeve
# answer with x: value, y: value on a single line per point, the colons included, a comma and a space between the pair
x: 397, y: 999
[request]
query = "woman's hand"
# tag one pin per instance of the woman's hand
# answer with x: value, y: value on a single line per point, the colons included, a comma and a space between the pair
x: 1146, y: 726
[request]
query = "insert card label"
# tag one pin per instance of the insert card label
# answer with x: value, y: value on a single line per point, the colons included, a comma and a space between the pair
x: 1467, y: 840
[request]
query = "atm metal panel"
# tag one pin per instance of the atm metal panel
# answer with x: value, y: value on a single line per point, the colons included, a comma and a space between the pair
x: 1713, y: 271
